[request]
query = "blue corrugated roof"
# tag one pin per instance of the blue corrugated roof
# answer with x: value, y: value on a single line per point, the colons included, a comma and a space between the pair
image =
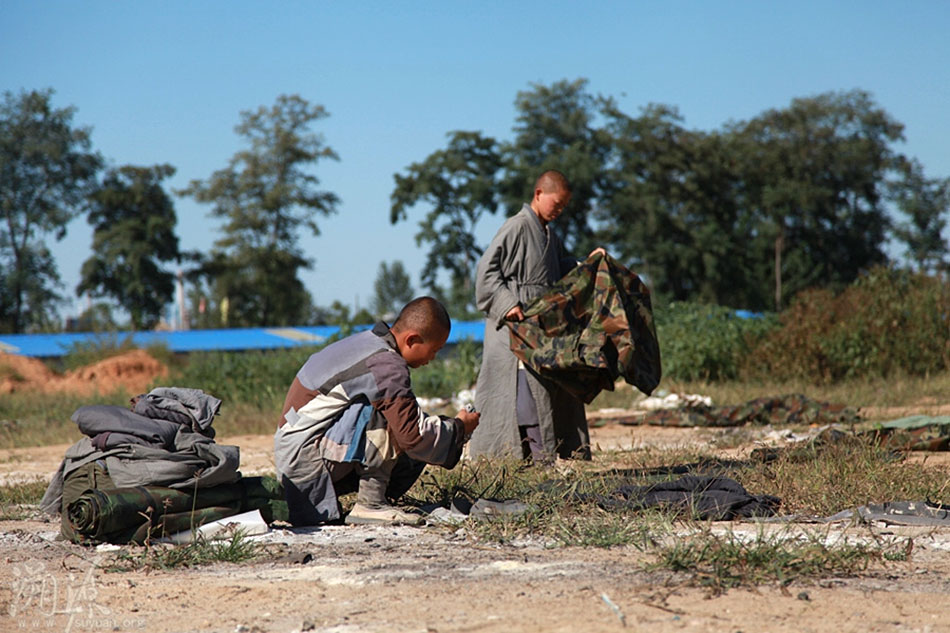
x: 51, y: 345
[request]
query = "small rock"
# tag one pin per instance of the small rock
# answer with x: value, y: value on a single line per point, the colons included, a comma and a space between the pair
x: 803, y: 595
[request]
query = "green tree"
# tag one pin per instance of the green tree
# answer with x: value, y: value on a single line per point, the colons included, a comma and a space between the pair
x: 46, y: 173
x: 556, y: 129
x: 134, y: 221
x: 670, y: 208
x: 814, y: 177
x: 459, y: 183
x: 925, y: 202
x: 392, y: 289
x: 266, y: 194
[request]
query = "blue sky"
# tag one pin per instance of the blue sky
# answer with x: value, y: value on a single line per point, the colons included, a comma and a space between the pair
x: 165, y: 81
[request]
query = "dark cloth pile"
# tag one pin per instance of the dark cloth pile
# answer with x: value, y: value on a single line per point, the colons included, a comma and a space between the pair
x: 133, y: 515
x: 788, y: 409
x: 592, y: 327
x: 714, y: 498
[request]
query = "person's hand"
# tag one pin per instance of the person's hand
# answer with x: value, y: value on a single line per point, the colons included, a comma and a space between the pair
x: 469, y: 419
x: 515, y: 314
x: 597, y: 251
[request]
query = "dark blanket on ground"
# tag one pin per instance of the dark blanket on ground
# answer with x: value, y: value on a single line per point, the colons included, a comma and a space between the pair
x: 133, y: 515
x: 715, y: 498
x: 788, y: 409
x: 592, y: 327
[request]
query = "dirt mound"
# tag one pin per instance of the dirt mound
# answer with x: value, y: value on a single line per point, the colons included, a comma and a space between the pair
x: 19, y: 373
x: 131, y: 371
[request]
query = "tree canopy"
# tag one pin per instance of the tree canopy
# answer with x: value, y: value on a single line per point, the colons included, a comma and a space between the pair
x: 744, y: 216
x: 265, y: 196
x: 47, y: 169
x: 134, y: 221
x: 392, y: 289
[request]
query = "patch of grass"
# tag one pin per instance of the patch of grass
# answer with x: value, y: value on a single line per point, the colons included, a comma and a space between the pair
x: 722, y: 561
x: 37, y: 419
x: 845, y: 475
x: 14, y: 498
x: 236, y: 549
x: 591, y: 526
x: 899, y: 390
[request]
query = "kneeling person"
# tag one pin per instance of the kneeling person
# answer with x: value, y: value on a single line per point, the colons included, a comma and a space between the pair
x: 352, y: 423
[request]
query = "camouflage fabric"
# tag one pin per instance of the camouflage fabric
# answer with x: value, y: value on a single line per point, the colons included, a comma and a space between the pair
x: 788, y: 409
x: 592, y: 327
x: 133, y: 515
x: 898, y: 513
x: 914, y: 433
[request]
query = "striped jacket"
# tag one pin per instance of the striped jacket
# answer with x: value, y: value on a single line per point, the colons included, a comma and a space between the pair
x: 353, y: 402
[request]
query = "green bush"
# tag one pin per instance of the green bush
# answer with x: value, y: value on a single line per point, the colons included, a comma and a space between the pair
x: 705, y: 342
x: 887, y: 322
x: 455, y: 369
x: 255, y: 378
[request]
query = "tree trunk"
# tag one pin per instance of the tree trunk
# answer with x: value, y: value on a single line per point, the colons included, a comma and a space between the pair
x: 779, y: 245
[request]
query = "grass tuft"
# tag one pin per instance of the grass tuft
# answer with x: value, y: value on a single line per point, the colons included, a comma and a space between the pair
x: 237, y: 549
x: 722, y: 561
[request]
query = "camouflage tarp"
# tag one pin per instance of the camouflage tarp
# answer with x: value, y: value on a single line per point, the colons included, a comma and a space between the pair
x: 593, y: 326
x: 132, y: 515
x: 788, y: 409
x: 914, y: 433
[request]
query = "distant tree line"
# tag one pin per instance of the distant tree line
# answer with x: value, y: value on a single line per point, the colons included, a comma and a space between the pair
x: 745, y: 216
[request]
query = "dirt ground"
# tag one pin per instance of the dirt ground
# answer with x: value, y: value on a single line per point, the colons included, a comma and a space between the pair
x: 361, y: 579
x: 433, y: 579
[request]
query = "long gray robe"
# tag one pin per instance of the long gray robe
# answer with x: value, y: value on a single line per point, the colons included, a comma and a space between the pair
x: 520, y: 264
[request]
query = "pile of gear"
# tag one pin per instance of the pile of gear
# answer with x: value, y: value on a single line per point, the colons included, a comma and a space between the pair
x: 153, y: 470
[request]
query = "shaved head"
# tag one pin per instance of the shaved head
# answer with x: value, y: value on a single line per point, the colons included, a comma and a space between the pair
x: 552, y: 181
x: 426, y: 316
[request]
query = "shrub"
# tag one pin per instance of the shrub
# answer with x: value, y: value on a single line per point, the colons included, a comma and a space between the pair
x: 255, y: 378
x: 446, y: 376
x: 887, y: 322
x: 705, y: 342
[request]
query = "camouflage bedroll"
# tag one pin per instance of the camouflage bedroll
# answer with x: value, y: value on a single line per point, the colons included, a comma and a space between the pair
x: 786, y: 409
x: 593, y: 326
x: 133, y: 515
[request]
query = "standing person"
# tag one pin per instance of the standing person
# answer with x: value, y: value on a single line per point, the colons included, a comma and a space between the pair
x: 351, y: 422
x: 524, y: 415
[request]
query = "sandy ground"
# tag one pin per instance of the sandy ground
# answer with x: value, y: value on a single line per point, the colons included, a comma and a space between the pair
x: 433, y: 579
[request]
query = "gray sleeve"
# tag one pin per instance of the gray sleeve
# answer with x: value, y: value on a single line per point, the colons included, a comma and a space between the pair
x: 493, y: 294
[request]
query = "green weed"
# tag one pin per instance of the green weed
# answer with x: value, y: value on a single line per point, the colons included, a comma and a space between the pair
x: 237, y: 549
x: 722, y: 561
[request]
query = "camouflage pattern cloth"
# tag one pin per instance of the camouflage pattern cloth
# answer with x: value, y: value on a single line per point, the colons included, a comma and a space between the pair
x: 133, y: 515
x: 914, y: 433
x: 788, y: 409
x: 593, y: 326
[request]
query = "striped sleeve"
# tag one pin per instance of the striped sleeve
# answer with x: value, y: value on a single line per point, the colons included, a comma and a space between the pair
x: 429, y: 438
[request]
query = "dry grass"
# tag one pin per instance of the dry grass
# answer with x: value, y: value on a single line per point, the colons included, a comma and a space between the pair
x: 897, y: 391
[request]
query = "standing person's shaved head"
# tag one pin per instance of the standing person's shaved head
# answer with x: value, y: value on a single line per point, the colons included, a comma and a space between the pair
x: 425, y: 315
x: 552, y: 181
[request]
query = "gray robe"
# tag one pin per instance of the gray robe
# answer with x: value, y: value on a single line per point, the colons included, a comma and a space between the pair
x: 520, y: 264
